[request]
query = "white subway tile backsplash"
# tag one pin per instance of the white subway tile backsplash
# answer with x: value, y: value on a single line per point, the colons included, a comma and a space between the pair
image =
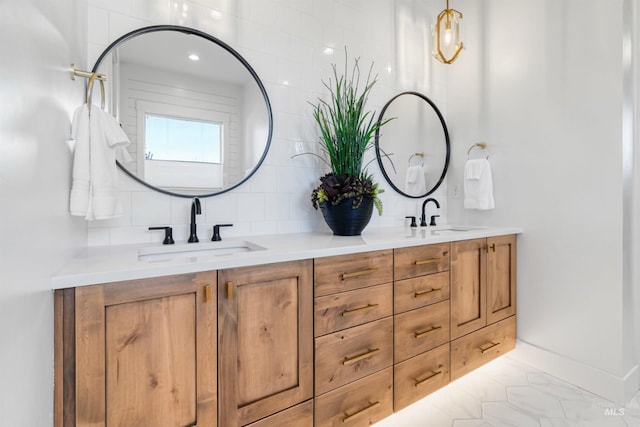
x: 251, y: 207
x: 284, y: 41
x: 150, y: 208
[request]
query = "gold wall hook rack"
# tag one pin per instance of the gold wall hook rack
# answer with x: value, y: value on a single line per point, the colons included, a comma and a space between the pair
x: 92, y: 77
x: 75, y: 72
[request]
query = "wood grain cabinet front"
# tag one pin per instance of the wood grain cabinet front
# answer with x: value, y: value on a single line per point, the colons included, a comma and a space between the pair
x: 483, y: 282
x: 420, y: 376
x: 476, y: 349
x: 347, y: 309
x: 360, y: 403
x: 420, y: 330
x: 348, y: 355
x: 265, y: 340
x: 347, y: 272
x: 139, y: 352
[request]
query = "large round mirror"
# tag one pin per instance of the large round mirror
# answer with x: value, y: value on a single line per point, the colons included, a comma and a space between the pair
x: 413, y: 148
x: 196, y: 113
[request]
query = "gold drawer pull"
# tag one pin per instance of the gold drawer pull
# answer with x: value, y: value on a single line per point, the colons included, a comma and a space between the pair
x: 207, y: 293
x: 425, y: 293
x: 427, y: 332
x: 230, y: 290
x: 433, y: 375
x: 350, y: 361
x: 360, y: 412
x: 359, y: 310
x: 427, y: 261
x: 344, y: 276
x: 493, y: 344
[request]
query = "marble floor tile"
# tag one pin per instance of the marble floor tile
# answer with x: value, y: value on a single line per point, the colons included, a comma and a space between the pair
x: 507, y: 393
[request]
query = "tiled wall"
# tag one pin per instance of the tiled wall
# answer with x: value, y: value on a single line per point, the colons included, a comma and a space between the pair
x: 285, y: 41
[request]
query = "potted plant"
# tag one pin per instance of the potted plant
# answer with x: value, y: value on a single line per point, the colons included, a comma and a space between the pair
x: 347, y: 194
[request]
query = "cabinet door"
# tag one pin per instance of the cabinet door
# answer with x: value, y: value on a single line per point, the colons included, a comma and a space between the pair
x: 501, y: 277
x: 265, y: 339
x: 145, y: 352
x: 468, y: 286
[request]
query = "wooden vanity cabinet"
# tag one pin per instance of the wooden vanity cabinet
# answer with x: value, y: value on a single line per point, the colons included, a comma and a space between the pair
x: 236, y: 347
x: 483, y: 301
x: 140, y: 352
x: 265, y: 340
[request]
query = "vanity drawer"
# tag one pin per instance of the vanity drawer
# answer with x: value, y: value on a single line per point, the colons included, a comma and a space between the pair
x: 345, y: 356
x: 419, y: 376
x: 360, y: 403
x: 420, y: 260
x: 420, y: 330
x: 346, y: 309
x: 420, y: 291
x: 346, y: 272
x: 297, y: 416
x: 479, y: 347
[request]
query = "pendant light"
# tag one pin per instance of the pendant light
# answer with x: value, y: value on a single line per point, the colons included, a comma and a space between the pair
x: 446, y: 36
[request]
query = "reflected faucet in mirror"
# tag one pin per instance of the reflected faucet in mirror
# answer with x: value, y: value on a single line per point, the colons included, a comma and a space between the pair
x: 195, y: 210
x: 423, y: 218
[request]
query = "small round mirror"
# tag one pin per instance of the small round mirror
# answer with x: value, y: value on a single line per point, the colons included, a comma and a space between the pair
x: 413, y: 149
x: 196, y: 113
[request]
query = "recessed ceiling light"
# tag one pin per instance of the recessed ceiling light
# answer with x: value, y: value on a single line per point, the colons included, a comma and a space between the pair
x: 194, y: 57
x: 328, y: 51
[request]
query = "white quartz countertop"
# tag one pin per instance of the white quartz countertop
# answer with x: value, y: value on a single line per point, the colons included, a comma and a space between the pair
x: 117, y: 263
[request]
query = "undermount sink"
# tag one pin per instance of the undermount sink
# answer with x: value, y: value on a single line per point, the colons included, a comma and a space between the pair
x: 451, y: 229
x: 196, y: 250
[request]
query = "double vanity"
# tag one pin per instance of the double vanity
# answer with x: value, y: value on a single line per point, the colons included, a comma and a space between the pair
x: 298, y: 330
x: 304, y: 329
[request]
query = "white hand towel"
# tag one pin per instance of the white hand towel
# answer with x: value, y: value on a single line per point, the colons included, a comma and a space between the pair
x: 415, y: 181
x: 478, y: 185
x: 94, y: 188
x: 79, y: 196
x: 106, y: 137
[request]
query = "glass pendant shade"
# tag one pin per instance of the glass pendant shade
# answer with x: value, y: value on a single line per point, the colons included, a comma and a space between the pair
x: 447, y: 44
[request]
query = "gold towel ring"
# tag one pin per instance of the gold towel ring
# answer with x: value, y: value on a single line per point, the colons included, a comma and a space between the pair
x: 481, y: 145
x: 90, y: 90
x: 418, y: 155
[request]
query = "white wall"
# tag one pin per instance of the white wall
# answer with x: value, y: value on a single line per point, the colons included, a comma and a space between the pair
x: 283, y: 41
x: 541, y: 83
x: 40, y: 39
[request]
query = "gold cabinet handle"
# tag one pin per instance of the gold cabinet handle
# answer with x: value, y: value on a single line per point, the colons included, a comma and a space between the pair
x: 359, y: 310
x: 207, y: 293
x: 230, y: 290
x: 350, y: 361
x: 344, y: 276
x: 427, y: 332
x: 493, y: 345
x: 427, y: 261
x: 433, y: 375
x: 425, y: 293
x: 360, y: 412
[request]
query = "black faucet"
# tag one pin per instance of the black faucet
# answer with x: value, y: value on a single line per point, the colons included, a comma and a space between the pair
x: 423, y: 218
x: 195, y: 210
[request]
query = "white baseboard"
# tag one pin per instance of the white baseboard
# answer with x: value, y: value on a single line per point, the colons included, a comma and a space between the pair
x: 619, y: 390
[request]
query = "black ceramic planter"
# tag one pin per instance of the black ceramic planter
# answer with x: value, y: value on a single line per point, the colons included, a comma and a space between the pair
x: 343, y: 220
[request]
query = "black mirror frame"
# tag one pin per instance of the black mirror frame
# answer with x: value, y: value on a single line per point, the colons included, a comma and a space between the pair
x: 193, y: 31
x: 380, y: 154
